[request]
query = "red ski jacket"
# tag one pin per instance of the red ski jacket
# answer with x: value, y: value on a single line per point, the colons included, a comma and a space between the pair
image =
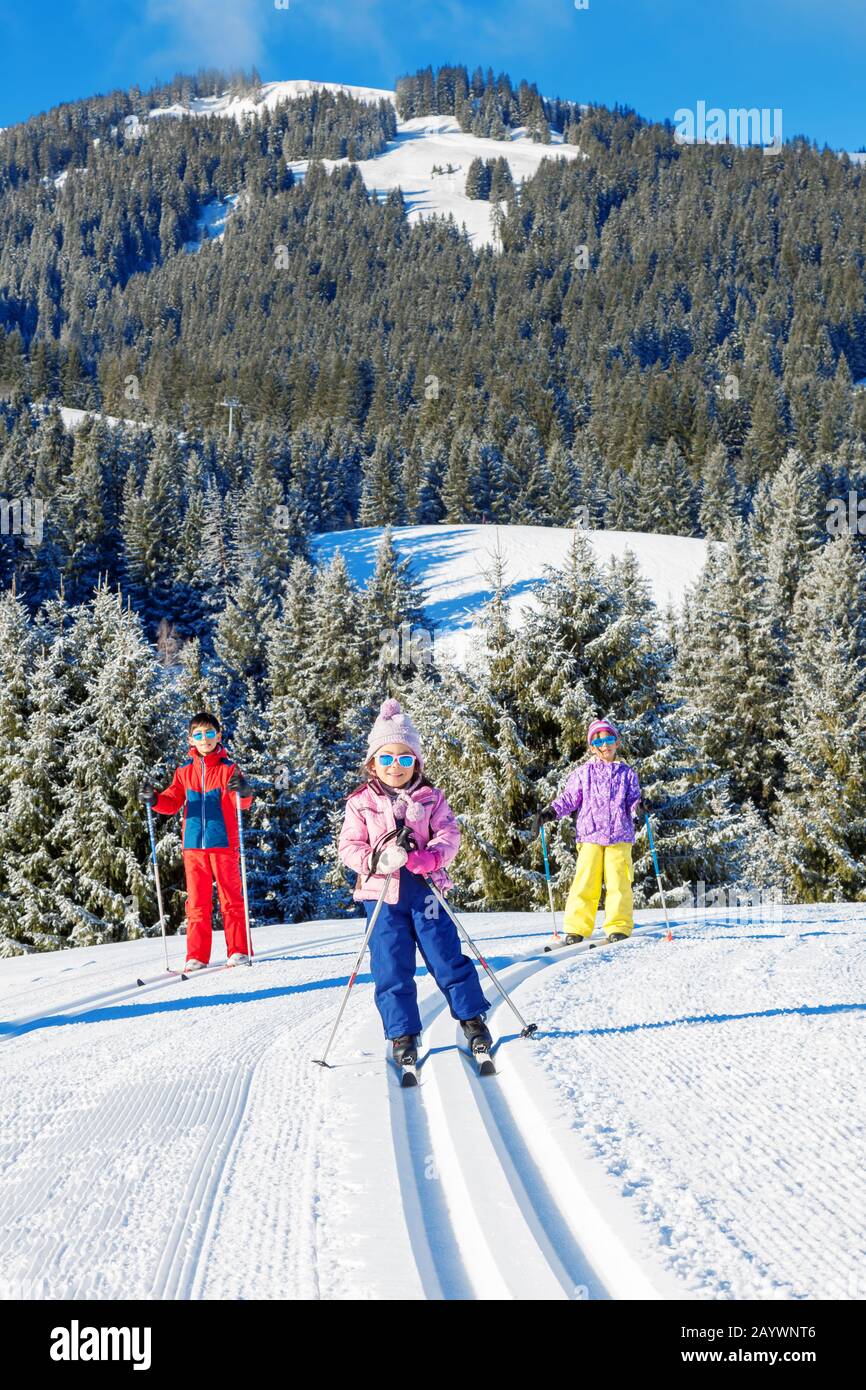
x: 200, y: 786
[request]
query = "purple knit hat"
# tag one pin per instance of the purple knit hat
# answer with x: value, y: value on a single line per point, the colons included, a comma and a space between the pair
x: 601, y: 726
x: 394, y: 726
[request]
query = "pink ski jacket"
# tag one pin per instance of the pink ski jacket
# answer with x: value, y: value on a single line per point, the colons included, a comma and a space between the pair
x: 370, y: 815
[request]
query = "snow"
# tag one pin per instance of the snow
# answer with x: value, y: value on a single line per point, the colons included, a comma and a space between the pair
x: 423, y: 141
x: 212, y: 224
x: 452, y: 563
x: 685, y: 1124
x: 73, y: 418
x: 407, y: 161
x: 61, y: 178
x: 269, y: 95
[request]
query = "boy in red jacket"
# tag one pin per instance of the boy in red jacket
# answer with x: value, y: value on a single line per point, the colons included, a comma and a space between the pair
x: 205, y: 786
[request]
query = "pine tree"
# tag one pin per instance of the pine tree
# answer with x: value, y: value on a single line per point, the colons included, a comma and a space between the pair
x: 124, y: 726
x: 240, y: 642
x: 336, y: 661
x: 728, y: 673
x: 526, y: 477
x: 784, y: 531
x: 718, y: 494
x: 457, y: 485
x: 30, y: 917
x: 396, y: 634
x: 820, y: 819
x: 381, y: 497
x: 475, y: 753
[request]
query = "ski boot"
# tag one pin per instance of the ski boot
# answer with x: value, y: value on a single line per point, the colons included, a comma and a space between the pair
x: 478, y: 1036
x: 238, y: 958
x: 558, y: 943
x: 405, y: 1051
x: 617, y: 936
x: 193, y: 964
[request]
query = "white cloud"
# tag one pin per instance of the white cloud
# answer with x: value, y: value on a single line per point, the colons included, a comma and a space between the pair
x: 225, y: 33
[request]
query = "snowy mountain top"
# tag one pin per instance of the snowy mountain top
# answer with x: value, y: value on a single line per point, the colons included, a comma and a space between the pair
x: 407, y: 163
x: 270, y: 94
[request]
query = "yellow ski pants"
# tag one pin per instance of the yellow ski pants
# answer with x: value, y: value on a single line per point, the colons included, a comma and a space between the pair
x: 612, y: 864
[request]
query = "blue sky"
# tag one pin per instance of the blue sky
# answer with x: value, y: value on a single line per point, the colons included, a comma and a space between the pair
x: 807, y: 57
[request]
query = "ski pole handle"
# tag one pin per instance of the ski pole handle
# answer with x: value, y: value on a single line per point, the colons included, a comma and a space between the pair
x: 544, y: 852
x: 652, y: 844
x: 149, y: 810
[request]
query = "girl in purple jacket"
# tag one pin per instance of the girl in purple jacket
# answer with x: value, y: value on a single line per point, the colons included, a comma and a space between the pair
x: 602, y: 794
x: 396, y: 794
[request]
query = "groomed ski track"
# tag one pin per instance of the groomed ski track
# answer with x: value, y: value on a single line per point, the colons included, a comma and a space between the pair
x: 498, y: 1204
x: 245, y: 1171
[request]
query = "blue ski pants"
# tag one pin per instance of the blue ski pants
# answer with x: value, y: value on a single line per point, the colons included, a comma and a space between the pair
x: 418, y: 920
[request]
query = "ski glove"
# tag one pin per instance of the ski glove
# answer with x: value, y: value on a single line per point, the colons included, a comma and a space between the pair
x: 238, y: 783
x: 423, y: 861
x: 391, y: 858
x: 541, y: 818
x: 148, y: 794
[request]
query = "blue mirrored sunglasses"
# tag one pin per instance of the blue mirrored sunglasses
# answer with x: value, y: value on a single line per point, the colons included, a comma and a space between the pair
x: 603, y: 742
x: 204, y: 733
x: 386, y: 759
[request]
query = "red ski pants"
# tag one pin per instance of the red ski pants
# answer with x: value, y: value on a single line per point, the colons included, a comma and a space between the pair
x: 203, y: 868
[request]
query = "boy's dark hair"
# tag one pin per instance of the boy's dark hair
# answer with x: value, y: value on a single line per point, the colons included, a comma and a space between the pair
x: 204, y: 718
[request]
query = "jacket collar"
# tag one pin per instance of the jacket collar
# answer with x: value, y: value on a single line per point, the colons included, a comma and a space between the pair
x: 209, y: 759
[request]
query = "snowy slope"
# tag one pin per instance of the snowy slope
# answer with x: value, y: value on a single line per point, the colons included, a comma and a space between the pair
x: 408, y: 161
x: 269, y: 95
x: 212, y: 223
x: 685, y: 1125
x: 452, y: 564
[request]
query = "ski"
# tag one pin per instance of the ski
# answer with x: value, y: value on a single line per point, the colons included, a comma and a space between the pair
x: 164, y: 978
x: 559, y: 943
x: 169, y: 975
x: 563, y: 945
x: 403, y: 1055
x: 483, y: 1061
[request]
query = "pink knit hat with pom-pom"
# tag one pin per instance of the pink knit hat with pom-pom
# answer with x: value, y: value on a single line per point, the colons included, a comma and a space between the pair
x: 394, y: 726
x: 601, y: 726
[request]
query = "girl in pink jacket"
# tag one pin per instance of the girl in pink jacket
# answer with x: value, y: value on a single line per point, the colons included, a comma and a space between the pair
x: 396, y: 795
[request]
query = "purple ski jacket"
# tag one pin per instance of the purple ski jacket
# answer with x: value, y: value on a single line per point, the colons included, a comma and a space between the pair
x: 370, y: 815
x: 603, y: 795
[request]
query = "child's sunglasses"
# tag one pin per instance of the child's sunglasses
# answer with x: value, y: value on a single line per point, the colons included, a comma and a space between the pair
x: 386, y: 759
x: 204, y: 733
x: 604, y: 742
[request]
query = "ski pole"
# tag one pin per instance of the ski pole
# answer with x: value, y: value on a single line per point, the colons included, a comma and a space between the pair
x: 649, y: 831
x: 526, y: 1029
x: 549, y: 884
x: 157, y: 882
x: 244, y: 878
x: 323, y: 1060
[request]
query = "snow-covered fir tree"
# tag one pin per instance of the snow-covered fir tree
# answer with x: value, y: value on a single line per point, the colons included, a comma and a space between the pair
x: 115, y: 737
x: 820, y: 819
